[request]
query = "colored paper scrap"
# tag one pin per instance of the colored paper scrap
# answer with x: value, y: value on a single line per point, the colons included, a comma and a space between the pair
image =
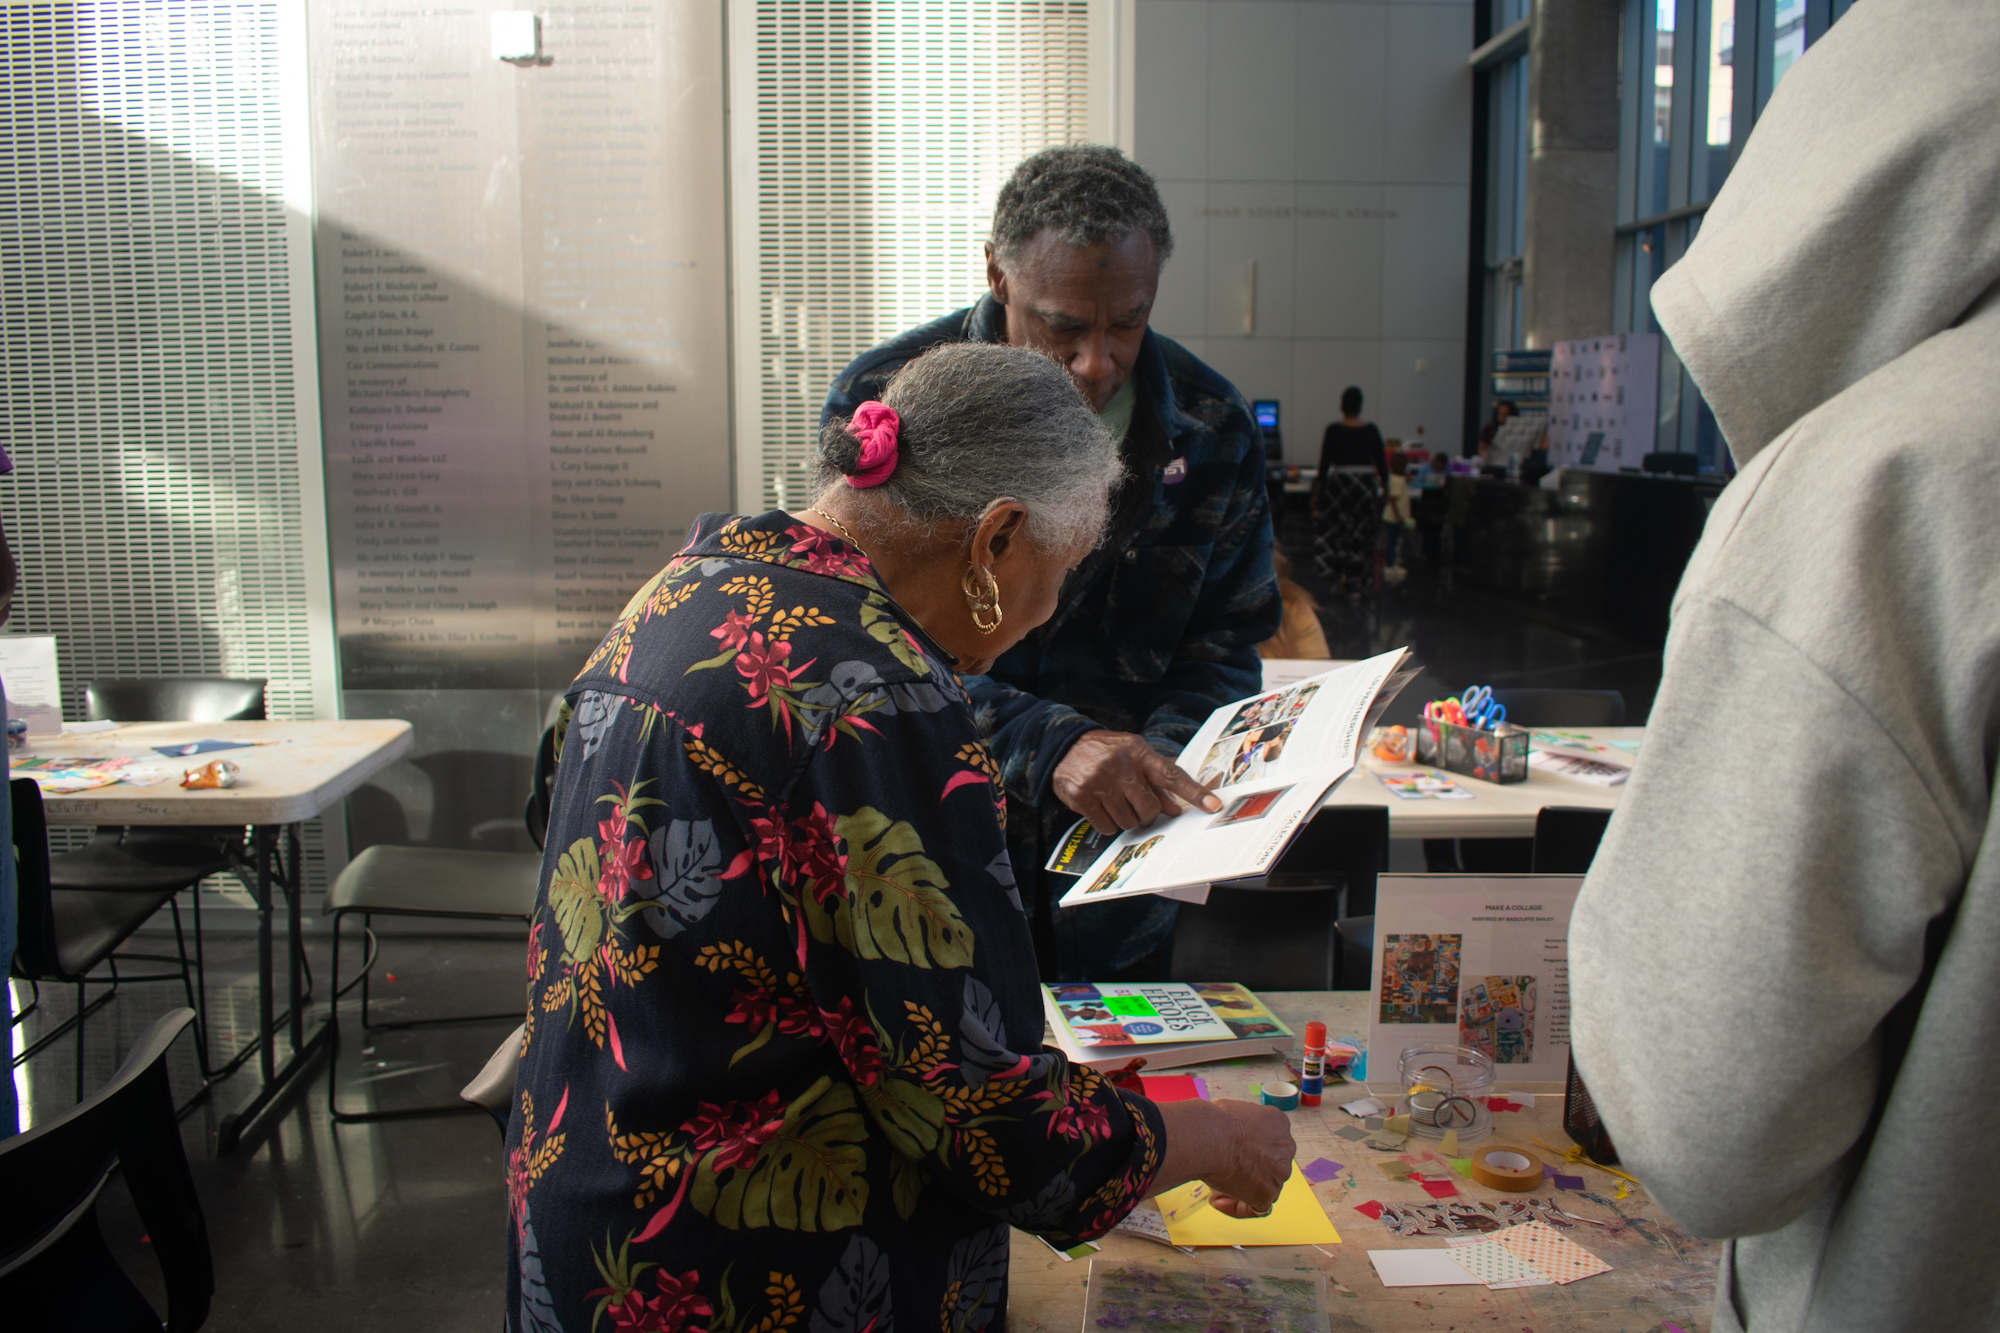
x: 1419, y: 1268
x: 1370, y: 1210
x: 1319, y: 1169
x: 200, y: 747
x: 1171, y: 1088
x: 1462, y: 1165
x: 1200, y: 1086
x: 1352, y: 1133
x: 1396, y: 1170
x: 1433, y: 1168
x: 1296, y: 1219
x: 1439, y: 1189
x: 1449, y: 1148
x: 1503, y: 1102
x: 1365, y: 1106
x: 1550, y: 1252
x: 1564, y: 1182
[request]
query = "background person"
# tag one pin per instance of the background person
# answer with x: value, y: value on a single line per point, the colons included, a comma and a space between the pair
x: 1786, y: 957
x: 1159, y: 626
x: 786, y: 1032
x: 1347, y: 498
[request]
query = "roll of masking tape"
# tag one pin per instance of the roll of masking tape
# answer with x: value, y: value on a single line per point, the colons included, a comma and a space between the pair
x: 1515, y: 1170
x: 1284, y: 1096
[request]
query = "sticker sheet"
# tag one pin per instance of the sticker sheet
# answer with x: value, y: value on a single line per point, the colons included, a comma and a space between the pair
x: 1549, y: 1252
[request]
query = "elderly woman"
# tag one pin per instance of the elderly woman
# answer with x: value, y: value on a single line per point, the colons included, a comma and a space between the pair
x: 783, y: 1065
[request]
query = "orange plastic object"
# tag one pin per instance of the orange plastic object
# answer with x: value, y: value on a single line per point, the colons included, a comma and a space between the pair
x: 216, y: 773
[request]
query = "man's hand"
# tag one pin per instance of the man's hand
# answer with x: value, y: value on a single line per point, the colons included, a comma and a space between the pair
x: 1117, y: 781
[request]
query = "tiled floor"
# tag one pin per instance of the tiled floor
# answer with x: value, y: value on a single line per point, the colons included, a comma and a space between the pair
x: 398, y: 1225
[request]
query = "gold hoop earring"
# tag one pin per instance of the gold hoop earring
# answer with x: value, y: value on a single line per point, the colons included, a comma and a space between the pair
x: 981, y: 601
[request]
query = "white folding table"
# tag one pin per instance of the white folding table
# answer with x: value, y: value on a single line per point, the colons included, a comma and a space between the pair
x: 303, y: 769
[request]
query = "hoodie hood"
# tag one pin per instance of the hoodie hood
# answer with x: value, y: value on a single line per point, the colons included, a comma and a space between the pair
x: 1851, y: 229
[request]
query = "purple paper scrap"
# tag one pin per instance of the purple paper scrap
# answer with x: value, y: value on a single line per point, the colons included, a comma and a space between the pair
x: 1548, y: 1172
x: 1564, y: 1182
x: 1200, y: 1086
x: 1319, y: 1169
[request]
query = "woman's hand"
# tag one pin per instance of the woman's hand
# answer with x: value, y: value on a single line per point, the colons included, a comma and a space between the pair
x: 1240, y: 1150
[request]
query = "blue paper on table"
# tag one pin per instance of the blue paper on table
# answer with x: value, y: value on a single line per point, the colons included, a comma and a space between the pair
x: 200, y: 747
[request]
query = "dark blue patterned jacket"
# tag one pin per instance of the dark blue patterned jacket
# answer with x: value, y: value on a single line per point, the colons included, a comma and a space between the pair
x: 1160, y: 626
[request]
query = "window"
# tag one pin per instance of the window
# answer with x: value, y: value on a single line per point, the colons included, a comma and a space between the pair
x: 1683, y: 120
x: 870, y: 138
x: 1503, y: 139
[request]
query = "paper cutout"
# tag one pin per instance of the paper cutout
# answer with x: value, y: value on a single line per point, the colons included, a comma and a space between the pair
x: 1419, y: 1268
x: 1434, y: 1169
x: 1494, y: 1264
x: 1462, y: 1217
x: 1439, y: 1189
x: 1296, y: 1219
x: 1449, y: 1147
x: 1319, y: 1169
x: 1396, y: 1170
x: 1200, y: 1086
x: 1462, y: 1165
x: 1564, y: 1182
x: 1503, y: 1102
x: 1365, y: 1106
x: 1187, y: 1199
x: 1172, y: 1088
x: 1370, y: 1210
x: 1352, y: 1133
x: 1152, y: 1298
x: 1550, y: 1252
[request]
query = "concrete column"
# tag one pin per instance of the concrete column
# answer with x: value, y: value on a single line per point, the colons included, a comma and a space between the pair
x: 1572, y: 195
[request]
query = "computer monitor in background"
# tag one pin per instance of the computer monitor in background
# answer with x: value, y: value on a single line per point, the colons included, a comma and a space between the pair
x: 1266, y: 412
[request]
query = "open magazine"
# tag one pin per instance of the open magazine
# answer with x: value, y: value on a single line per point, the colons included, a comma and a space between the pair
x: 1271, y: 759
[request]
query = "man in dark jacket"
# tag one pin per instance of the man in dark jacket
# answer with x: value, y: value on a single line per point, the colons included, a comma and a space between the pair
x: 1160, y: 625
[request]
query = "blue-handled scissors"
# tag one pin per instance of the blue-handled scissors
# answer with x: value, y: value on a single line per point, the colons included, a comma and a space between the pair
x: 1480, y: 709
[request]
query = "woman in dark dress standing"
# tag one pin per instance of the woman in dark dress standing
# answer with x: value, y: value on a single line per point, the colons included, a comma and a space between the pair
x: 783, y: 1067
x: 1347, y: 498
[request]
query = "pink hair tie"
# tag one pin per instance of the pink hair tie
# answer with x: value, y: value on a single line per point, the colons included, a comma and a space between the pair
x: 876, y: 426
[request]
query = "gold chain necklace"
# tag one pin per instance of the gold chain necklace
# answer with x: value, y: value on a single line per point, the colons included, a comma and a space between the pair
x: 815, y: 509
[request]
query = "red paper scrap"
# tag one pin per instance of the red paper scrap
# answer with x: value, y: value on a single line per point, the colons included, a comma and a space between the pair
x: 1171, y: 1088
x: 1370, y: 1210
x: 1504, y: 1104
x: 1439, y: 1189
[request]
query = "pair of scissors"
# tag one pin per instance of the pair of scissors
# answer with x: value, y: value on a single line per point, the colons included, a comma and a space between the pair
x: 1445, y: 710
x: 1480, y: 708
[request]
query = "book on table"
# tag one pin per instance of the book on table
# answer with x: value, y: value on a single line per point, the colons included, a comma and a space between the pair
x: 1171, y: 1023
x: 1271, y: 759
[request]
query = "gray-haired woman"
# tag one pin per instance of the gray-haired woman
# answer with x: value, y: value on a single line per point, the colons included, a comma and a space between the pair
x: 784, y: 1049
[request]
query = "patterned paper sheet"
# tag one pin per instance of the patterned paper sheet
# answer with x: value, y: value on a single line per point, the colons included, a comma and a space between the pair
x: 1499, y: 1268
x: 1551, y: 1252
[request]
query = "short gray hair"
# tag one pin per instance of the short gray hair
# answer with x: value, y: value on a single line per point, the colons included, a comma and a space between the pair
x: 1088, y: 193
x: 980, y: 421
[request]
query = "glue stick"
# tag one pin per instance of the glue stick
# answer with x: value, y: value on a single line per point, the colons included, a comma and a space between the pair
x: 1312, y: 1069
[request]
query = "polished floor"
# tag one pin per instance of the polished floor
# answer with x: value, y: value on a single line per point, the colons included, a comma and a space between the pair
x: 318, y: 1226
x: 399, y: 1225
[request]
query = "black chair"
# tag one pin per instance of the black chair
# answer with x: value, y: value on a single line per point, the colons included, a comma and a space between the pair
x: 66, y: 933
x: 1566, y: 838
x: 1308, y: 925
x: 55, y: 1270
x: 441, y: 884
x: 1528, y: 708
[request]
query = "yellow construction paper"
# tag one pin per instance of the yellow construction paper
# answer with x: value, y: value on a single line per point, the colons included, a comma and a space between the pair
x: 1296, y: 1219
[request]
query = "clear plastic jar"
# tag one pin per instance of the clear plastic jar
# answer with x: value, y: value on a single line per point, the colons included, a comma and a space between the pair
x: 1445, y: 1088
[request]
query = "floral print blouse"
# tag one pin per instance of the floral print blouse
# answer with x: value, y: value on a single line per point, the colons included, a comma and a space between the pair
x: 783, y: 1066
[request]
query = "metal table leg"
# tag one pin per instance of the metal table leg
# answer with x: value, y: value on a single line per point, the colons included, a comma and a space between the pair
x: 272, y: 871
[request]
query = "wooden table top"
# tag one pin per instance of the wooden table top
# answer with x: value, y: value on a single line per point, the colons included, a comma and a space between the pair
x: 1659, y: 1273
x: 308, y: 767
x: 1495, y: 810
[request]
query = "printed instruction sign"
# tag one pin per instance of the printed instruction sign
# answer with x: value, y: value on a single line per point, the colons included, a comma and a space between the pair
x: 33, y: 685
x: 1480, y: 961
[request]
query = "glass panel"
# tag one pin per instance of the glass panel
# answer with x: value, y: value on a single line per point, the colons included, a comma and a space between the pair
x: 1648, y: 263
x: 1654, y: 147
x: 1721, y: 95
x: 1788, y: 35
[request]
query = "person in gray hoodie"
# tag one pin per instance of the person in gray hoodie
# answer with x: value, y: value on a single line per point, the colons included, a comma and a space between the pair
x: 1786, y: 958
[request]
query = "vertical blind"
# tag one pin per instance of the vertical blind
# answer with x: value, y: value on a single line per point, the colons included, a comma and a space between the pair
x: 149, y: 380
x: 883, y: 129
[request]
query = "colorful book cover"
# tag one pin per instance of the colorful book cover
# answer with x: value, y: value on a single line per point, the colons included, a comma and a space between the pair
x: 1161, y: 1013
